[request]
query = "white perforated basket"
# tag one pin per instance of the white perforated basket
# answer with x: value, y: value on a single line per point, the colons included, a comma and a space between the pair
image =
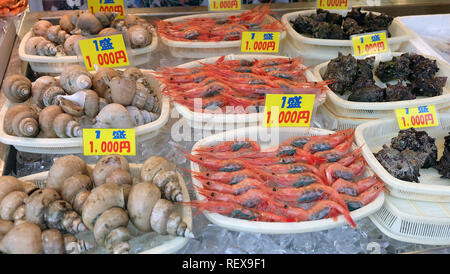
x: 226, y: 121
x: 53, y: 64
x: 334, y: 121
x: 414, y: 221
x: 340, y: 105
x: 329, y: 48
x: 196, y: 50
x: 431, y: 186
x: 164, y: 243
x: 75, y: 145
x: 268, y: 137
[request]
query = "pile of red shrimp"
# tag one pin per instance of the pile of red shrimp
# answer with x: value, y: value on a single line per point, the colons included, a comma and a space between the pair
x: 303, y: 179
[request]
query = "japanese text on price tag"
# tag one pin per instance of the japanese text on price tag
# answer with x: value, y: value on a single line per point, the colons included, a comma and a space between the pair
x: 332, y: 4
x: 107, y: 5
x: 107, y: 141
x: 288, y: 110
x: 369, y: 43
x: 224, y: 5
x: 423, y: 116
x: 106, y: 51
x: 258, y: 41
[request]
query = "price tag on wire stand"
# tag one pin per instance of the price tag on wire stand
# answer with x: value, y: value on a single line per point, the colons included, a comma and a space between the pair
x: 107, y: 6
x: 288, y: 110
x: 260, y: 41
x: 422, y: 116
x: 369, y: 43
x: 105, y: 141
x: 221, y: 5
x: 105, y: 51
x: 333, y: 4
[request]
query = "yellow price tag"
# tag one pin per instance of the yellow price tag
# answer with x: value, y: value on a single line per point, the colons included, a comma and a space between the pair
x: 288, y: 110
x: 107, y: 6
x: 105, y: 51
x: 332, y: 4
x: 369, y: 43
x: 215, y: 5
x: 106, y: 141
x: 423, y: 116
x: 260, y: 41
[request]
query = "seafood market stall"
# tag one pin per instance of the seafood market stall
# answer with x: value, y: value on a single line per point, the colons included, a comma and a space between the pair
x: 352, y: 182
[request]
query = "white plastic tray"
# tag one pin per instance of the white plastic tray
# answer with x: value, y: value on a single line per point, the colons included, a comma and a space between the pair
x: 75, y: 145
x: 334, y: 121
x: 413, y: 221
x: 262, y: 135
x: 341, y: 106
x: 173, y: 243
x: 330, y: 47
x: 431, y: 187
x: 195, y: 50
x: 223, y: 121
x: 53, y: 64
x: 430, y: 34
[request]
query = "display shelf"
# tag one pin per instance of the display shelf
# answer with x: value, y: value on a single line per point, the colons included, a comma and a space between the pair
x: 367, y: 238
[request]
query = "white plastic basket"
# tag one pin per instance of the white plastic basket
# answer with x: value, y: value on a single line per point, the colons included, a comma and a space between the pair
x: 225, y: 121
x: 75, y: 145
x: 196, y: 50
x: 170, y: 244
x: 335, y: 121
x: 262, y: 135
x: 338, y: 103
x: 53, y: 64
x: 423, y: 27
x: 329, y: 48
x: 413, y: 221
x: 431, y: 187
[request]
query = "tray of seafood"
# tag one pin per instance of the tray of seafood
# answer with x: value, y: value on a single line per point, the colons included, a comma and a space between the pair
x: 50, y: 48
x: 375, y: 86
x: 327, y: 33
x: 214, y: 34
x: 231, y: 89
x: 110, y: 207
x: 286, y: 180
x: 414, y: 163
x: 414, y: 221
x: 48, y: 115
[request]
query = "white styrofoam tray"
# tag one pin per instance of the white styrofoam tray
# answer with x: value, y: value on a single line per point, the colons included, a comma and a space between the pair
x: 75, y: 145
x: 198, y: 49
x: 217, y: 120
x: 414, y: 221
x: 429, y: 34
x: 54, y: 64
x: 341, y: 105
x: 431, y: 186
x: 263, y: 136
x: 170, y: 244
x: 330, y: 47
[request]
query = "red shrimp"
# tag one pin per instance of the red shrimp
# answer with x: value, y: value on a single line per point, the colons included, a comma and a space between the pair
x: 233, y: 146
x: 337, y: 170
x: 235, y: 189
x: 364, y: 198
x: 354, y: 188
x: 235, y: 210
x: 328, y: 143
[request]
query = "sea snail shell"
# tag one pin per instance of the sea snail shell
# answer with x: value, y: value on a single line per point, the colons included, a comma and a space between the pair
x: 17, y: 88
x: 74, y: 78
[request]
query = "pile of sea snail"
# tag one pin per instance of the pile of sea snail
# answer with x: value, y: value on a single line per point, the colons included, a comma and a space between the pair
x: 51, y: 107
x: 62, y: 39
x: 103, y: 199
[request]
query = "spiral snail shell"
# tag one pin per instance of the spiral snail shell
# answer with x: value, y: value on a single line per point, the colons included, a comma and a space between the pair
x: 74, y: 78
x: 17, y: 88
x: 21, y: 120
